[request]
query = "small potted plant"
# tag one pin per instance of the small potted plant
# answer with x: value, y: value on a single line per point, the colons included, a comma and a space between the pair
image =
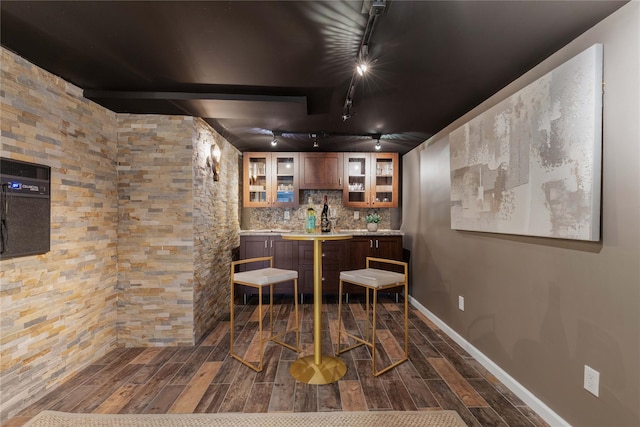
x: 372, y: 221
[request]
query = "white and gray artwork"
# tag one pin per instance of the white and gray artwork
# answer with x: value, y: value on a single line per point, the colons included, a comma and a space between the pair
x: 531, y: 165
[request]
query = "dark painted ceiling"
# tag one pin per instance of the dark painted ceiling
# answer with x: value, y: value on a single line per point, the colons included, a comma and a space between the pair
x: 251, y: 68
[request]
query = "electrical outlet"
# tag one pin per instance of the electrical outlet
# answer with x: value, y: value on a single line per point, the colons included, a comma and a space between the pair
x: 287, y: 215
x: 356, y: 214
x: 592, y: 381
x: 460, y: 302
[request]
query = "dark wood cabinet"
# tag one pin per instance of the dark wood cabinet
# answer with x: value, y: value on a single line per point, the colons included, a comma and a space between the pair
x: 321, y: 171
x: 334, y: 257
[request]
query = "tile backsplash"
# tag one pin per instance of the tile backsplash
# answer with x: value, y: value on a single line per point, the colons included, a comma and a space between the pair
x: 271, y: 218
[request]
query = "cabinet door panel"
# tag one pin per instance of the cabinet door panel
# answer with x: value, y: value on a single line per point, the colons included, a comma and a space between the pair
x: 356, y: 192
x: 388, y: 247
x: 305, y: 267
x: 252, y: 247
x: 333, y: 262
x: 285, y: 256
x: 384, y: 180
x: 285, y: 179
x: 359, y: 250
x: 321, y: 171
x: 257, y: 179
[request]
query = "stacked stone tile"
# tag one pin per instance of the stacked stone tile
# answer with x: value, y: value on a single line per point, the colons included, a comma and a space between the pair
x: 141, y: 237
x: 58, y: 310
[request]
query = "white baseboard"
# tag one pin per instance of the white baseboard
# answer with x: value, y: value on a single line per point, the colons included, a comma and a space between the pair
x: 525, y: 395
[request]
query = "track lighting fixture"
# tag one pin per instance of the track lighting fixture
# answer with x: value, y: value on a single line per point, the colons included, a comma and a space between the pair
x: 315, y: 135
x: 376, y: 9
x: 377, y: 138
x: 362, y: 65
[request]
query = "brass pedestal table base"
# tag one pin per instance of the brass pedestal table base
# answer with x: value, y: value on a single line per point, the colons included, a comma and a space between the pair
x: 329, y: 370
x: 319, y: 368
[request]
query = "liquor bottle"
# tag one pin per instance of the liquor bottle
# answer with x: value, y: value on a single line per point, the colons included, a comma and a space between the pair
x: 325, y: 225
x: 311, y: 217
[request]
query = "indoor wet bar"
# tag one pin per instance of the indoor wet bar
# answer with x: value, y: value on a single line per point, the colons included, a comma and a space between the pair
x: 331, y: 212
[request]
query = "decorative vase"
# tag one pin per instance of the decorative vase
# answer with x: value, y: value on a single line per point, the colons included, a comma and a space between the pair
x: 372, y: 226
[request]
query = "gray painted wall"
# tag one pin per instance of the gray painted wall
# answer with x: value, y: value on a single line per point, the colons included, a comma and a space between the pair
x: 543, y: 308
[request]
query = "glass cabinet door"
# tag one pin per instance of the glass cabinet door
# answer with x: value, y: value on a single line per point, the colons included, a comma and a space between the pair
x: 384, y: 181
x: 257, y: 179
x: 384, y: 186
x: 356, y: 186
x: 285, y: 179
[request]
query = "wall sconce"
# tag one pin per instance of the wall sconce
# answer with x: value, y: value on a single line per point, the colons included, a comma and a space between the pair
x: 213, y: 161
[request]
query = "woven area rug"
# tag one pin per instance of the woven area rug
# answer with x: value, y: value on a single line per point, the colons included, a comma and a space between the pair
x: 299, y: 419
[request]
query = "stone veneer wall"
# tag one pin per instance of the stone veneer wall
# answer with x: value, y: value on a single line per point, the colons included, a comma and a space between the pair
x: 215, y: 227
x: 155, y: 230
x: 176, y: 232
x: 58, y: 309
x: 65, y: 309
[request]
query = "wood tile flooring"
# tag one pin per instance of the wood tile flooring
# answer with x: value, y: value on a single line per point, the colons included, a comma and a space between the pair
x: 204, y: 378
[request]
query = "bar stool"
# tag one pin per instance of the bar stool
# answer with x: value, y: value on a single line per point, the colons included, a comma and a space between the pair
x: 259, y: 279
x: 375, y: 280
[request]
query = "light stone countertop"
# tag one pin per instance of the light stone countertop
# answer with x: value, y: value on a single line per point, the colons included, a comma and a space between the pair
x: 355, y: 232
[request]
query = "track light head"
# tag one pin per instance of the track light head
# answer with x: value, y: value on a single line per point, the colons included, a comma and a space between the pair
x: 346, y: 116
x: 274, y: 141
x: 315, y: 140
x: 377, y: 138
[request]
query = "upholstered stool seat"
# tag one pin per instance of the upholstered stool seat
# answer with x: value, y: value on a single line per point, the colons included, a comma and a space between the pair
x: 260, y: 279
x: 374, y: 280
x: 265, y: 276
x: 372, y: 277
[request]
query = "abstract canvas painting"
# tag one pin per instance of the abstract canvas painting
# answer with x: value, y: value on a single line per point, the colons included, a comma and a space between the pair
x: 531, y: 165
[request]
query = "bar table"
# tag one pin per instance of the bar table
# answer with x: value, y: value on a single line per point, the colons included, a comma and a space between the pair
x: 319, y: 368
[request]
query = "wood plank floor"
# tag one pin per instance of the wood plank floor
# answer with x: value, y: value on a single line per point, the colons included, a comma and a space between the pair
x: 204, y: 378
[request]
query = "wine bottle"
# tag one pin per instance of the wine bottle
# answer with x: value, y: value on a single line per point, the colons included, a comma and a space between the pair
x: 325, y: 225
x: 311, y: 217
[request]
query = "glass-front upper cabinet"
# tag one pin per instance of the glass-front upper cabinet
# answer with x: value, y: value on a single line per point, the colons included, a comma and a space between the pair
x: 257, y: 178
x: 285, y: 179
x: 270, y: 179
x: 371, y: 180
x: 355, y: 192
x: 384, y: 180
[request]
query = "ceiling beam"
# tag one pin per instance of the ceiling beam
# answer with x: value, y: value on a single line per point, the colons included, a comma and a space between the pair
x: 116, y: 94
